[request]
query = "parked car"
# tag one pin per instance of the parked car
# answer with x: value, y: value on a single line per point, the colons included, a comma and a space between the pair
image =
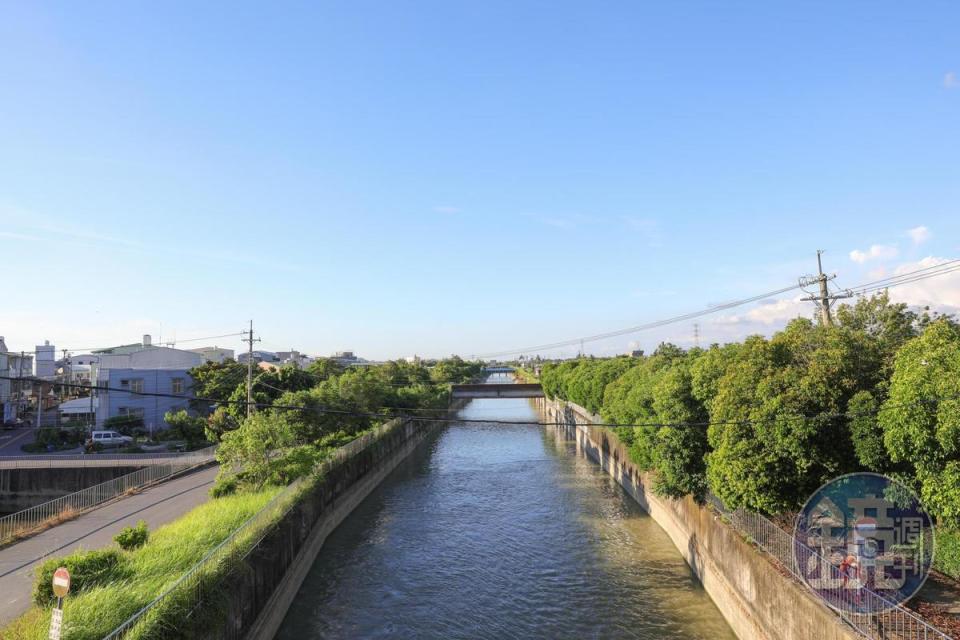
x: 12, y: 423
x: 108, y: 439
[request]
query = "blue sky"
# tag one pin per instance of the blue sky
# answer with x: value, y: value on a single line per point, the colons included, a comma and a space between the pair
x: 437, y: 177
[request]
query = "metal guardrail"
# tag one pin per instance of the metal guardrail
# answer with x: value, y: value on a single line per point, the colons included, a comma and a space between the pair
x: 23, y: 522
x: 53, y: 461
x: 185, y: 596
x: 882, y: 619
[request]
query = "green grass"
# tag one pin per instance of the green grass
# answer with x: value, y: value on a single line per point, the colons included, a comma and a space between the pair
x: 142, y: 574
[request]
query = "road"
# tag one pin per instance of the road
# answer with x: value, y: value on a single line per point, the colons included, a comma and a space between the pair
x: 10, y: 441
x: 157, y: 505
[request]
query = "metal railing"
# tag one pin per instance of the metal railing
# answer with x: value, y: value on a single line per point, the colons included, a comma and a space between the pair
x: 27, y: 521
x: 868, y: 613
x: 185, y: 597
x: 872, y: 615
x: 52, y: 460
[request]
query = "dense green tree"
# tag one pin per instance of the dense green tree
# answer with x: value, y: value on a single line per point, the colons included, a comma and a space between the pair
x: 455, y: 370
x: 921, y: 417
x: 323, y: 368
x: 216, y: 380
x: 190, y: 428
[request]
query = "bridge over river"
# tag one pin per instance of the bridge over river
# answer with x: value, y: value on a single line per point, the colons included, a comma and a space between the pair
x: 500, y: 531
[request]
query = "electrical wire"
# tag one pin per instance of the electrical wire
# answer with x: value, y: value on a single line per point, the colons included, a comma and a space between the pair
x: 641, y: 327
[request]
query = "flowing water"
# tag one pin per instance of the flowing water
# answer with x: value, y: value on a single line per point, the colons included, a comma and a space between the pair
x: 500, y: 531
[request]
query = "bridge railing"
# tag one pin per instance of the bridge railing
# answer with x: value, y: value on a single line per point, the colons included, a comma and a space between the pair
x: 868, y: 613
x: 186, y: 597
x: 23, y: 523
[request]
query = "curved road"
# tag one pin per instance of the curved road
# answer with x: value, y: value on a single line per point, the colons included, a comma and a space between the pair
x: 157, y: 505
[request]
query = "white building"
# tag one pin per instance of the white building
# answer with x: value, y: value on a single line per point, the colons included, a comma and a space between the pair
x: 13, y: 394
x: 45, y: 362
x: 143, y: 356
x: 214, y: 354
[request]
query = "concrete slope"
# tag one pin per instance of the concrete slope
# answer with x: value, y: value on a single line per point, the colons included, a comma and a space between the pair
x: 157, y: 505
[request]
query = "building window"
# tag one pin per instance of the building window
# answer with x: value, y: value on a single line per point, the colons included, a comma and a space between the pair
x: 176, y: 385
x: 136, y: 385
x: 133, y: 412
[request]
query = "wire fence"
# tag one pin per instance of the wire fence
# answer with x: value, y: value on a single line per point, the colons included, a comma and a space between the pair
x: 872, y: 615
x: 868, y: 613
x: 23, y: 523
x: 202, y: 583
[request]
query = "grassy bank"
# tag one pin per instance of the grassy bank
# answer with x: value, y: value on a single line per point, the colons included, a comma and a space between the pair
x: 119, y: 588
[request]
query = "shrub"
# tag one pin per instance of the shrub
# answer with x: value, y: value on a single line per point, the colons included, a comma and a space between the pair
x: 224, y: 486
x: 948, y: 552
x: 124, y: 424
x: 133, y: 537
x: 87, y: 569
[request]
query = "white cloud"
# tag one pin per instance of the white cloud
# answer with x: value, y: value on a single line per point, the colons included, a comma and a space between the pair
x: 940, y: 293
x: 951, y: 80
x: 919, y: 235
x: 875, y: 252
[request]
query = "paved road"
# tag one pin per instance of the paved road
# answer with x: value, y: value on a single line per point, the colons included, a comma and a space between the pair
x: 10, y: 441
x: 157, y: 505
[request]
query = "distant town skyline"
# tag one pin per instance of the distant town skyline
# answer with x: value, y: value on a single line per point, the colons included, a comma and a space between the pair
x: 465, y: 179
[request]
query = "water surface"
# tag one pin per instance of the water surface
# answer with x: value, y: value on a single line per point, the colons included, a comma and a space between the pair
x: 500, y: 531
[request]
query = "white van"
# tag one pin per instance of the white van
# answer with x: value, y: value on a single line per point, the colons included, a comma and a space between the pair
x: 110, y: 439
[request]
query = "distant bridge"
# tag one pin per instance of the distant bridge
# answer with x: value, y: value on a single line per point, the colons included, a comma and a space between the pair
x: 498, y: 369
x: 497, y: 391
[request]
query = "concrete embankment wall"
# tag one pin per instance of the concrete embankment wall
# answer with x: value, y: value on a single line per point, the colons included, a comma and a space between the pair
x: 261, y: 593
x: 754, y: 597
x: 24, y: 488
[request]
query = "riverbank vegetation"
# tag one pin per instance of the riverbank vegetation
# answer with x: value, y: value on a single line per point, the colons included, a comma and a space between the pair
x: 308, y: 414
x: 305, y: 423
x: 763, y: 423
x: 110, y: 585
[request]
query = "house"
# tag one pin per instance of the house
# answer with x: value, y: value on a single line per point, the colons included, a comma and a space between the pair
x: 123, y: 373
x: 79, y: 410
x: 259, y: 356
x: 143, y: 393
x: 214, y: 354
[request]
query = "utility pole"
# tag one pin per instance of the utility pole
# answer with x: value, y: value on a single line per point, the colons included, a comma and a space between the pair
x: 249, y: 339
x: 696, y: 335
x: 19, y: 384
x: 824, y: 298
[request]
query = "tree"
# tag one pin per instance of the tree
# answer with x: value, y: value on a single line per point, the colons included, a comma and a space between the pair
x: 779, y: 429
x: 455, y: 370
x: 191, y: 428
x: 921, y: 417
x: 216, y: 381
x: 324, y: 368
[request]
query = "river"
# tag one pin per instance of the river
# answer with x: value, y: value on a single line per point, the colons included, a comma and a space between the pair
x: 500, y: 531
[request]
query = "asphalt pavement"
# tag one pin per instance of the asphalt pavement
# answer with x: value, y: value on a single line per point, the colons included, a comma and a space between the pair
x: 157, y: 505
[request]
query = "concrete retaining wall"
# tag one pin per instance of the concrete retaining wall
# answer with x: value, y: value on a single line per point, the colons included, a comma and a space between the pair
x: 270, y: 577
x: 24, y: 488
x: 757, y: 600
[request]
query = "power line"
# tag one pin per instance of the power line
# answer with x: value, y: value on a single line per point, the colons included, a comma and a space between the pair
x: 884, y: 283
x: 642, y: 327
